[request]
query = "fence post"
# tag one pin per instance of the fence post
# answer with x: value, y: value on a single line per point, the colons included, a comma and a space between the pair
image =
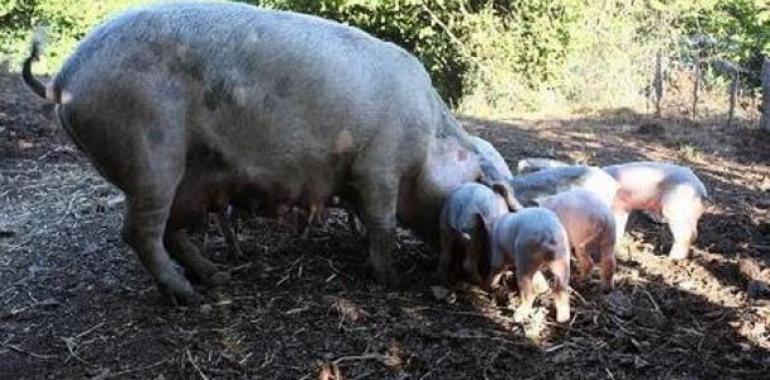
x: 657, y: 82
x: 735, y: 75
x: 764, y: 119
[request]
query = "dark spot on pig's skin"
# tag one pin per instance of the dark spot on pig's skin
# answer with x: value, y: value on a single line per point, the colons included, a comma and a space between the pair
x: 268, y: 103
x: 283, y: 86
x: 191, y: 66
x: 156, y: 136
x: 217, y: 94
x: 462, y: 155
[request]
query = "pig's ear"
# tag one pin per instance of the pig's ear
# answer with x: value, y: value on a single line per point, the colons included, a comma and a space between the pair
x: 506, y: 191
x: 484, y: 225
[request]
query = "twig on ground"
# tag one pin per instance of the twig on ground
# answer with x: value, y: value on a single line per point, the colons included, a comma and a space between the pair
x: 652, y: 300
x: 435, y: 365
x: 339, y: 272
x: 30, y: 353
x: 379, y: 357
x: 137, y: 369
x: 200, y: 372
x: 71, y: 346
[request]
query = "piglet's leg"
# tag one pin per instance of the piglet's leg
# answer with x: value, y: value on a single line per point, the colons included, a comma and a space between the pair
x: 585, y: 262
x: 682, y: 220
x: 473, y: 252
x: 539, y: 283
x: 608, y: 265
x: 684, y: 234
x: 527, y: 292
x: 445, y: 258
x: 560, y: 270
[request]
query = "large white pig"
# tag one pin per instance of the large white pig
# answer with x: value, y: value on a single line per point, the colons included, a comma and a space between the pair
x: 187, y: 106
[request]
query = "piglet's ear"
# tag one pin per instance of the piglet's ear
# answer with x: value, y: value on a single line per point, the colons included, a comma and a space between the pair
x: 506, y: 191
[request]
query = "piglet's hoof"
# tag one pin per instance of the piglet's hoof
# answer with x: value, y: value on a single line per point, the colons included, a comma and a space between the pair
x: 522, y: 314
x: 677, y: 254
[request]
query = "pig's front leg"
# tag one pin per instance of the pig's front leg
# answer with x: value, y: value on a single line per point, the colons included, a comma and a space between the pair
x: 539, y: 283
x: 379, y: 196
x: 527, y: 292
x: 560, y: 270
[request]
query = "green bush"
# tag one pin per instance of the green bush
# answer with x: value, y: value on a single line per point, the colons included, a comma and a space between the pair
x: 486, y: 56
x: 66, y: 21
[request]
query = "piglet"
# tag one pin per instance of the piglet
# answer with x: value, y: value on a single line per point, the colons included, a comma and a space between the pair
x: 530, y: 240
x: 590, y: 228
x: 669, y: 191
x: 460, y: 227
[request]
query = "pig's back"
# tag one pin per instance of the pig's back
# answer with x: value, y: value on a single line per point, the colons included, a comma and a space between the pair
x: 646, y: 180
x: 537, y: 225
x: 221, y: 56
x: 582, y: 213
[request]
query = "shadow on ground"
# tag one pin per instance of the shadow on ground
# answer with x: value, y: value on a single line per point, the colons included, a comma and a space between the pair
x: 76, y: 303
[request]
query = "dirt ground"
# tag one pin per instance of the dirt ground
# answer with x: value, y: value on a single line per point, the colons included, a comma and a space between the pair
x: 76, y: 303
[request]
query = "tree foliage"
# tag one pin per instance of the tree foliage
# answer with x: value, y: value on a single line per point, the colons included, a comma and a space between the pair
x: 498, y: 54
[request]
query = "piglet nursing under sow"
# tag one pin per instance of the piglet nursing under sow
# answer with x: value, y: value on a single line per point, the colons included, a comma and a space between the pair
x: 669, y: 191
x: 590, y: 228
x: 530, y: 240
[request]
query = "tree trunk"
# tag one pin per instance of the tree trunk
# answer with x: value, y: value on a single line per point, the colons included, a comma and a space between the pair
x: 658, y: 82
x: 735, y: 75
x: 764, y: 120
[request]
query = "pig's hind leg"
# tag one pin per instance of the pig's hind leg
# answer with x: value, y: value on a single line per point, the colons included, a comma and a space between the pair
x: 145, y: 156
x: 608, y: 263
x: 682, y: 212
x: 584, y: 260
x: 187, y: 254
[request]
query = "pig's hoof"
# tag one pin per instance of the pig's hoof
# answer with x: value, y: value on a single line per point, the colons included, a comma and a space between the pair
x: 183, y: 298
x: 218, y: 278
x: 237, y: 254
